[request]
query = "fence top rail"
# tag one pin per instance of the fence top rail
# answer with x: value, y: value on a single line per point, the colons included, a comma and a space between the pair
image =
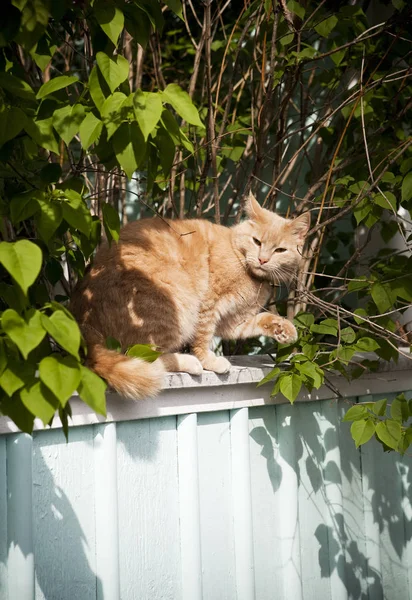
x: 183, y: 393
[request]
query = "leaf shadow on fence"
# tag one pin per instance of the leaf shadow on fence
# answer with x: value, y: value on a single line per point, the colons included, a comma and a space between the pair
x: 363, y: 526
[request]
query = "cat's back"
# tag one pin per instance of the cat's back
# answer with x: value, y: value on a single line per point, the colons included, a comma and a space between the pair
x: 156, y: 242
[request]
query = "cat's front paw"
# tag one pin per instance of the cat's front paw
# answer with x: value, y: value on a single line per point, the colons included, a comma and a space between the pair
x: 282, y: 330
x: 217, y: 364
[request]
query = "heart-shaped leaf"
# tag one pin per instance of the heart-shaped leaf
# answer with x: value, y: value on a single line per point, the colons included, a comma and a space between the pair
x: 64, y: 331
x: 129, y: 147
x: 92, y: 391
x: 148, y: 109
x: 90, y: 130
x: 112, y: 112
x: 25, y: 333
x: 115, y: 70
x: 110, y: 19
x: 22, y: 259
x: 40, y: 401
x: 182, y: 103
x: 67, y: 121
x: 60, y: 375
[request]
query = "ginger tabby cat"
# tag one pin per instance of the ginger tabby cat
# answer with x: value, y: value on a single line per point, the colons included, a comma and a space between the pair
x: 180, y: 284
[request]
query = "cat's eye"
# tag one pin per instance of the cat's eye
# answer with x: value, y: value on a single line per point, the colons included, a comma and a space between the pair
x: 279, y: 250
x: 257, y: 242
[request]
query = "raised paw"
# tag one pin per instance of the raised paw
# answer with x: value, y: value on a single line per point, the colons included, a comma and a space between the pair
x: 218, y: 364
x: 282, y: 330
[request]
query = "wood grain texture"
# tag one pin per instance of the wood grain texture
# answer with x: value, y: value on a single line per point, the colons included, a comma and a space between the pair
x: 216, y: 515
x: 149, y: 548
x: 64, y: 526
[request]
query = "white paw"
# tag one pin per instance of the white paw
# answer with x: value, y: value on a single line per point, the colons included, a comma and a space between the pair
x: 192, y: 365
x: 218, y: 364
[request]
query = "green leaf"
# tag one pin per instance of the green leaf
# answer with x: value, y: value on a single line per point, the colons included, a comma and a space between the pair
x: 22, y: 259
x: 290, y: 385
x: 111, y: 221
x: 48, y: 219
x: 383, y: 296
x: 92, y: 390
x: 326, y: 327
x: 42, y: 133
x: 182, y: 103
x: 269, y: 377
x: 325, y: 27
x: 3, y: 356
x: 95, y: 88
x: 285, y: 40
x: 12, y: 121
x: 296, y: 8
x: 40, y: 401
x: 90, y: 130
x: 55, y: 84
x: 407, y: 187
x: 16, y: 87
x: 379, y: 407
x: 75, y: 212
x: 386, y: 200
x: 110, y: 19
x: 67, y: 121
x: 114, y: 70
x: 389, y: 432
x: 400, y: 409
x: 15, y: 409
x: 16, y: 375
x: 312, y: 371
x: 112, y: 114
x: 362, y: 431
x: 129, y: 147
x: 23, y: 207
x: 176, y: 7
x: 355, y: 413
x: 304, y: 320
x: 173, y: 129
x: 60, y: 375
x: 64, y: 331
x: 148, y: 109
x: 51, y: 173
x: 143, y: 351
x: 25, y: 333
x: 366, y: 344
x: 347, y: 335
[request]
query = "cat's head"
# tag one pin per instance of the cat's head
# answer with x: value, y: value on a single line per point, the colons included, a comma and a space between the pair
x: 272, y: 246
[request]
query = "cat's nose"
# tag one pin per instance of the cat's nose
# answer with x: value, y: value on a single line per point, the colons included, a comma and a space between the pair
x: 263, y: 261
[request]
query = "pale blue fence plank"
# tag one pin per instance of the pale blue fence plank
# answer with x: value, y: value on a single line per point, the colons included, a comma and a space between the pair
x: 20, y: 560
x: 4, y: 594
x: 266, y: 479
x: 64, y: 527
x: 242, y: 504
x: 216, y: 515
x: 148, y: 502
x: 189, y: 507
x: 106, y: 510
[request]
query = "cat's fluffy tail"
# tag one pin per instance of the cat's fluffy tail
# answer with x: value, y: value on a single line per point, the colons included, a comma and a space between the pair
x: 131, y: 377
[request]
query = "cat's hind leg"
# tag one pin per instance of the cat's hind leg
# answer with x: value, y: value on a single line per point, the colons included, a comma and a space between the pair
x: 183, y: 363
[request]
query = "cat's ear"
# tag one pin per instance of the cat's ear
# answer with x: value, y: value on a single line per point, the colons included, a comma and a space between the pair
x: 253, y: 208
x: 300, y: 226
